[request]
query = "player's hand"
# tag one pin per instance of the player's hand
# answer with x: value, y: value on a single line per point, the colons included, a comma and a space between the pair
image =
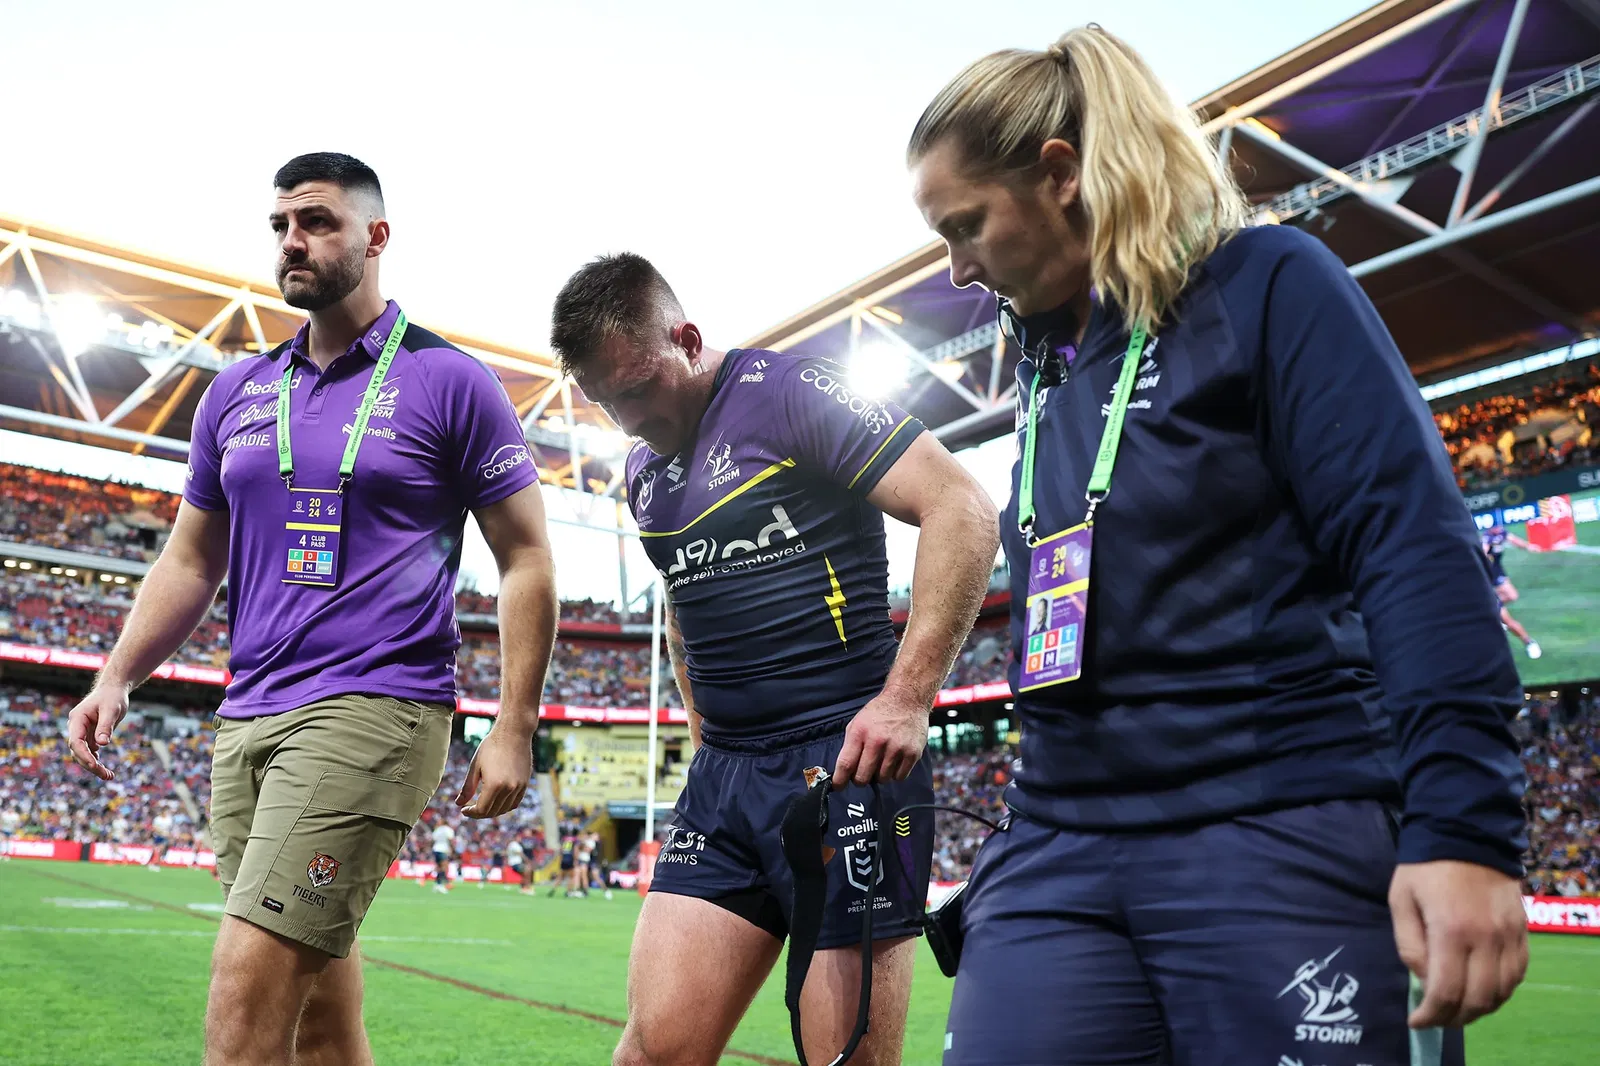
x: 1460, y: 927
x: 884, y: 741
x: 498, y: 776
x: 91, y: 724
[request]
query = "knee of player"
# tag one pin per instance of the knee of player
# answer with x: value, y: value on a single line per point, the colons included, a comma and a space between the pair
x: 629, y: 1052
x: 327, y: 1021
x: 633, y: 1050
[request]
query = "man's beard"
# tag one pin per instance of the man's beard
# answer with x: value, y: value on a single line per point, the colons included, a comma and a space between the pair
x: 330, y: 281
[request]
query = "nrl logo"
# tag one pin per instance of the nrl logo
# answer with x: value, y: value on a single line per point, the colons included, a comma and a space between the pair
x: 861, y: 864
x: 322, y: 870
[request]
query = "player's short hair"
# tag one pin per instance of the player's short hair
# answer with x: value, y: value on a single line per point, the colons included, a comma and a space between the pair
x: 614, y: 295
x: 345, y: 171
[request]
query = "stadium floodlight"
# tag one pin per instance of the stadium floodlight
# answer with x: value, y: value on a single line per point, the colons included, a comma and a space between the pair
x: 119, y: 579
x: 16, y: 306
x: 79, y: 323
x: 150, y: 335
x: 55, y: 569
x: 71, y: 572
x: 876, y: 370
x: 24, y: 565
x: 11, y: 563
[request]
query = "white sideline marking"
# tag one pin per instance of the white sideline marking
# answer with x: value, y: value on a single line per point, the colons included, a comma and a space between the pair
x: 81, y: 903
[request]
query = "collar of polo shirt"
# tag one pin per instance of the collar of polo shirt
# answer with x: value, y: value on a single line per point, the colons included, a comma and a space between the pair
x: 371, y: 341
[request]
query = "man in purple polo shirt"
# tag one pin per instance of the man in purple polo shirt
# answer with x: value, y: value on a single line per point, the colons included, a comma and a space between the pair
x: 329, y: 481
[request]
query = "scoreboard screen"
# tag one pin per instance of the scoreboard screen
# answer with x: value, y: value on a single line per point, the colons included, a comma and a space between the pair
x: 1551, y: 558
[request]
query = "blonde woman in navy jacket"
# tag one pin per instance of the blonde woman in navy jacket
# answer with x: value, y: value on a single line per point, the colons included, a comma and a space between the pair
x: 1265, y: 762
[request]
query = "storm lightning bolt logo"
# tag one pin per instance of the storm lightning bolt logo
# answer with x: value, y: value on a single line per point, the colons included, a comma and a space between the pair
x: 835, y: 600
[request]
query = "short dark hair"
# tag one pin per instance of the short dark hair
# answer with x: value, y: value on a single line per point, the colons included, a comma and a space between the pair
x: 345, y: 171
x: 614, y: 294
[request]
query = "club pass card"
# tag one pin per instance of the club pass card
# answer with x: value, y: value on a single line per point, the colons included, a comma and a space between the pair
x: 1058, y: 600
x: 311, y: 537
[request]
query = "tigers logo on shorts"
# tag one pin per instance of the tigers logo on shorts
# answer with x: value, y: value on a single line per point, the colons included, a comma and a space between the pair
x: 322, y: 870
x: 814, y: 774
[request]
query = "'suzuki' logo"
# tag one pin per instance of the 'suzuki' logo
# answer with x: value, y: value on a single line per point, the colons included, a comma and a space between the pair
x: 504, y: 460
x: 873, y: 415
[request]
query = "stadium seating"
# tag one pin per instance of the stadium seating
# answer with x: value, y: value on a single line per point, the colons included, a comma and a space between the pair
x: 1523, y: 432
x: 96, y: 517
x: 58, y: 801
x: 54, y: 610
x: 1562, y: 759
x: 586, y: 673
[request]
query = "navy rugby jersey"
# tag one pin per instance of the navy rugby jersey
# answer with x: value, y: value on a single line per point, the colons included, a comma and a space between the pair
x: 1494, y: 543
x: 773, y: 559
x: 1287, y: 602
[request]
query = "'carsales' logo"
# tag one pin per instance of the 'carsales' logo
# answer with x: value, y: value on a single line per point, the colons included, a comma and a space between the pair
x: 873, y: 415
x: 504, y: 460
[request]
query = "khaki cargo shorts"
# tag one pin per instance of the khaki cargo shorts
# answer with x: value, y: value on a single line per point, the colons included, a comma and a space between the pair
x: 310, y: 807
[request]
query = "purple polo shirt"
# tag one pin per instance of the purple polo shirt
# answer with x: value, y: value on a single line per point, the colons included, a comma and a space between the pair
x: 443, y: 439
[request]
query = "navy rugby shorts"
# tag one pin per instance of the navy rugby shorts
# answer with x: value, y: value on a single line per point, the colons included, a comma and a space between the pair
x: 1264, y: 940
x: 724, y: 844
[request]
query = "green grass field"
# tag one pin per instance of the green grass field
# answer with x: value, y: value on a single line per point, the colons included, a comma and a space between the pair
x: 1560, y: 592
x: 107, y: 965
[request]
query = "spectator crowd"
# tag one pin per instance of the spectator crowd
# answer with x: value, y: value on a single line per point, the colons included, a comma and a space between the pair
x: 1525, y: 432
x: 1562, y: 759
x: 44, y: 795
x: 57, y: 610
x: 75, y: 612
x: 96, y: 517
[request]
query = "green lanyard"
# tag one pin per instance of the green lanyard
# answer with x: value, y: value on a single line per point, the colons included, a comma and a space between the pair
x: 358, y: 432
x: 1110, y: 439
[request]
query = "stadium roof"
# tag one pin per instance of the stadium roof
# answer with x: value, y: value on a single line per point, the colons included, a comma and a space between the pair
x: 114, y: 347
x: 1444, y: 149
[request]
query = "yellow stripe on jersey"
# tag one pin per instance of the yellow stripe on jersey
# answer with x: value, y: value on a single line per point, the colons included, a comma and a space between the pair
x: 877, y: 453
x: 835, y: 600
x: 782, y: 464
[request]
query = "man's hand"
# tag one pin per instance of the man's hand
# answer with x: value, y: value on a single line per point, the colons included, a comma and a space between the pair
x: 501, y: 768
x: 1461, y: 928
x: 91, y: 724
x: 884, y: 741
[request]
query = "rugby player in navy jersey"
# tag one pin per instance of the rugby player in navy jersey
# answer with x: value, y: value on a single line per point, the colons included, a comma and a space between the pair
x: 1495, y: 539
x: 759, y: 485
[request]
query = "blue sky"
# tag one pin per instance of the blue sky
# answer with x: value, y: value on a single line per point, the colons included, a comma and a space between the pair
x: 753, y: 150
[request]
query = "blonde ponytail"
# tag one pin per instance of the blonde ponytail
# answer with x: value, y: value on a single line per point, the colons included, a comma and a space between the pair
x: 1156, y: 199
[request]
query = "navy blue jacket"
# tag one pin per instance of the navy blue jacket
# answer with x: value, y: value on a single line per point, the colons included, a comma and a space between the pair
x: 1288, y: 601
